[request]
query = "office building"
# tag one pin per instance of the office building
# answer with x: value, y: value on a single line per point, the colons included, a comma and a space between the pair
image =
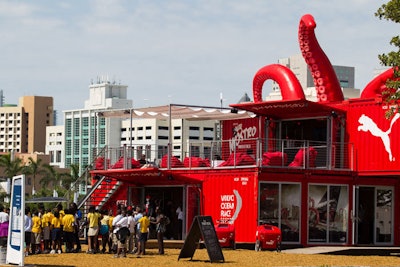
x: 22, y: 126
x: 85, y: 132
x: 345, y: 74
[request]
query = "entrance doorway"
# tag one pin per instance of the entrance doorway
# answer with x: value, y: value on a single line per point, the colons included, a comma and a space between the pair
x: 166, y: 197
x: 374, y: 210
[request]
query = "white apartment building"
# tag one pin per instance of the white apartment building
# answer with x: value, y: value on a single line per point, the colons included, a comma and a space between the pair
x: 150, y: 137
x: 55, y: 144
x: 85, y: 131
x: 296, y: 63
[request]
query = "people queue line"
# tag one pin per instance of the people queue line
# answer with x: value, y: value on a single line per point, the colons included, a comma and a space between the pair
x: 126, y: 232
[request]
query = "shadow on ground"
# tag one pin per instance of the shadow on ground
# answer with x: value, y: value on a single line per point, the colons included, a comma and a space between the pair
x: 365, y: 252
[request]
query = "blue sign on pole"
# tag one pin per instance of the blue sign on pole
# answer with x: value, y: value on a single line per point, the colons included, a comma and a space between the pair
x: 16, y: 230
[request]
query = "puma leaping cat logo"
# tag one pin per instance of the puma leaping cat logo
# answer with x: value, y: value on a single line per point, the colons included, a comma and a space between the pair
x: 367, y: 124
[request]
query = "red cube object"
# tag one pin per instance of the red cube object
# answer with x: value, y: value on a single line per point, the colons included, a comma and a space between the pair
x: 268, y: 237
x: 226, y: 234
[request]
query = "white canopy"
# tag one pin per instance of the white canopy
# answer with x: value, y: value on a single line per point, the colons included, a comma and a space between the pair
x: 178, y: 111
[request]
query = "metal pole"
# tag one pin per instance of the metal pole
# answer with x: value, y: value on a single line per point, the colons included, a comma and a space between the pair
x: 169, y: 137
x: 130, y: 113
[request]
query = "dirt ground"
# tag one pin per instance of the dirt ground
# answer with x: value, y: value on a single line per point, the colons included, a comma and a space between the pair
x: 238, y: 257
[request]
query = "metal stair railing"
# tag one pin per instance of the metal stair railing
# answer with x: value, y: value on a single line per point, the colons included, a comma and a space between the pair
x: 90, y: 193
x: 85, y: 173
x: 109, y: 194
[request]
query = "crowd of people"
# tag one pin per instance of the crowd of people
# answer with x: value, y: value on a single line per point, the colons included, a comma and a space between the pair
x: 48, y: 231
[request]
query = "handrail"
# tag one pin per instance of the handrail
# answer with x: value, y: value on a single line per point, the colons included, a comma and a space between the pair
x: 252, y: 152
x: 92, y: 190
x: 86, y: 171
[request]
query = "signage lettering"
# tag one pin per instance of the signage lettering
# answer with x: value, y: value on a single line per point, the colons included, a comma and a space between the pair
x: 240, y: 134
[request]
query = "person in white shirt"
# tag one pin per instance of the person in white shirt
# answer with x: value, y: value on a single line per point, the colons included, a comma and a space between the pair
x: 28, y: 230
x: 132, y: 230
x: 179, y: 213
x: 121, y: 231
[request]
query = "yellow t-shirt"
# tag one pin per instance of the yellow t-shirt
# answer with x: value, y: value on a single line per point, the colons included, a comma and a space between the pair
x: 110, y: 220
x: 68, y: 222
x: 62, y: 214
x: 144, y: 224
x: 56, y: 222
x: 105, y: 220
x: 36, y: 224
x: 46, y: 219
x: 93, y: 219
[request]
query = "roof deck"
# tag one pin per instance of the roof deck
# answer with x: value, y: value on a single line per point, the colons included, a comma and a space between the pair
x: 271, y: 153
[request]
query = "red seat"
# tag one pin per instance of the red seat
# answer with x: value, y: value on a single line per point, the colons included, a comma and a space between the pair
x: 196, y: 162
x: 276, y: 158
x: 299, y: 158
x: 238, y: 159
x: 175, y: 162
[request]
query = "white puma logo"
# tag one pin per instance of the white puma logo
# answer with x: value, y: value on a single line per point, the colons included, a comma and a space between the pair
x: 367, y: 124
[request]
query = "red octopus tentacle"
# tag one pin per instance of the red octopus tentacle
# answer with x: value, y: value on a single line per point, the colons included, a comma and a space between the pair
x: 287, y: 80
x: 377, y: 85
x: 325, y: 80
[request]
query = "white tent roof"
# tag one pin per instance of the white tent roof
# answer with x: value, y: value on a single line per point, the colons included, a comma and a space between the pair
x: 178, y: 111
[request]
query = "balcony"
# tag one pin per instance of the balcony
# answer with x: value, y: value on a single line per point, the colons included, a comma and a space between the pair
x: 271, y: 153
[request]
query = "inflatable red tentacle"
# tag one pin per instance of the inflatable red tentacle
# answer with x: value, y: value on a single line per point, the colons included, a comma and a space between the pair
x: 378, y: 85
x: 325, y: 80
x: 287, y: 80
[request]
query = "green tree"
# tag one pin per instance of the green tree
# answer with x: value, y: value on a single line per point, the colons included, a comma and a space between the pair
x: 12, y: 166
x: 53, y: 177
x: 69, y: 181
x: 391, y: 12
x: 34, y: 168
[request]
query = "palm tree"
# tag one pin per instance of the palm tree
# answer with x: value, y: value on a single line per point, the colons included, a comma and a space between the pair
x: 34, y: 168
x: 12, y: 166
x: 54, y: 177
x: 70, y: 182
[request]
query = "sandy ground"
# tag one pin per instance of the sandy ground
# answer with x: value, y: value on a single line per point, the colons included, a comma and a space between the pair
x: 239, y: 257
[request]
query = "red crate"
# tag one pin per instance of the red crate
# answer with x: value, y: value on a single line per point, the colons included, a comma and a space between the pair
x: 226, y: 234
x: 268, y: 237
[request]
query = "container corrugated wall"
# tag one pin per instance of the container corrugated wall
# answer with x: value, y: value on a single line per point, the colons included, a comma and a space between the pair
x: 233, y: 196
x: 376, y: 139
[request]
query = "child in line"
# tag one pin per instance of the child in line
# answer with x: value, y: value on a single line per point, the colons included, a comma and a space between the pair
x: 68, y: 221
x: 56, y: 233
x: 144, y: 223
x: 36, y: 232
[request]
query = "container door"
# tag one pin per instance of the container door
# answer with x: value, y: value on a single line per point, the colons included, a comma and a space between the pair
x: 374, y: 215
x: 384, y: 215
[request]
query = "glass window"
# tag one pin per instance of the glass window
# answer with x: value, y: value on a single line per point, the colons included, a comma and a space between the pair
x: 280, y: 206
x: 327, y: 213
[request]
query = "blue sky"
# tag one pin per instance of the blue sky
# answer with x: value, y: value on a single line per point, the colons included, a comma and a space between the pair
x: 185, y: 52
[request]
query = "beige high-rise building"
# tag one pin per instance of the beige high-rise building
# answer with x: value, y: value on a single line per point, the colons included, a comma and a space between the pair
x: 23, y: 127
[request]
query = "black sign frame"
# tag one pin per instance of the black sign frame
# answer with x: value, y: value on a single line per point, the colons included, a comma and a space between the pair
x: 202, y: 227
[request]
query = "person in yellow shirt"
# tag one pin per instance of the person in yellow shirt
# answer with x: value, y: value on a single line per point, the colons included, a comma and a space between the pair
x: 144, y: 223
x: 111, y: 234
x: 105, y: 231
x: 36, y: 232
x: 93, y: 220
x: 60, y: 210
x: 68, y: 230
x: 56, y: 233
x: 46, y: 221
